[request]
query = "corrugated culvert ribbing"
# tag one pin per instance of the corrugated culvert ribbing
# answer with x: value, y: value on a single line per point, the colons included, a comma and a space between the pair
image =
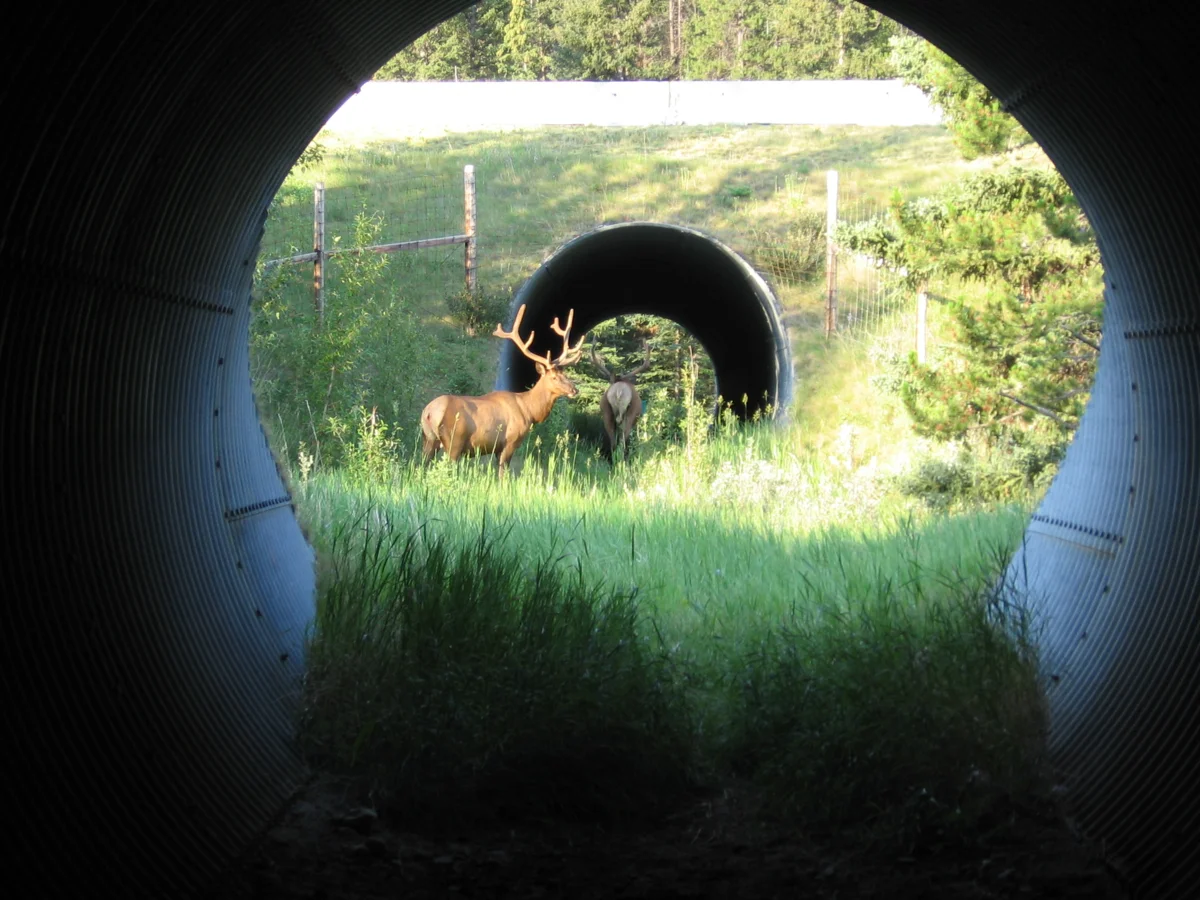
x: 156, y: 586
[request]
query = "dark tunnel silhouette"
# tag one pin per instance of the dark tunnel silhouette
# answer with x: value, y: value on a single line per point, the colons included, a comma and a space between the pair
x: 673, y: 272
x: 157, y: 581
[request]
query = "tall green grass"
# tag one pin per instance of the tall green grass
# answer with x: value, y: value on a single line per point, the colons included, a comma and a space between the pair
x: 569, y: 641
x: 910, y: 708
x: 465, y: 678
x: 587, y: 640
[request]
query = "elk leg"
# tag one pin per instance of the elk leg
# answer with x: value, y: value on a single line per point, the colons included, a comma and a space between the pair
x: 429, y: 450
x: 506, y: 453
x: 610, y: 427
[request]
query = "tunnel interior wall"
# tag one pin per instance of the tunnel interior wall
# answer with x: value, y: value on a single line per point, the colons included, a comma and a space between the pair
x: 157, y: 574
x: 160, y: 583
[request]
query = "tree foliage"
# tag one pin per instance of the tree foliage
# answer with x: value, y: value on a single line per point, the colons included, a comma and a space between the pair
x: 525, y: 53
x: 1024, y: 355
x: 461, y: 48
x: 652, y: 40
x: 314, y: 378
x: 796, y: 39
x: 610, y: 40
x: 973, y: 114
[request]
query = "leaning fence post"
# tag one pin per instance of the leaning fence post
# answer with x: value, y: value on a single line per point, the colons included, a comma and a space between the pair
x: 319, y: 250
x: 469, y: 224
x: 831, y: 199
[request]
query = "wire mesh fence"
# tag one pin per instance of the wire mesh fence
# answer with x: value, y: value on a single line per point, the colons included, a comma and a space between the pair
x: 871, y: 300
x: 531, y: 199
x: 376, y: 206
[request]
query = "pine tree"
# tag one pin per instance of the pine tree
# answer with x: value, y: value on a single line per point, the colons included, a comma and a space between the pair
x: 1023, y: 359
x: 973, y: 114
x: 522, y: 55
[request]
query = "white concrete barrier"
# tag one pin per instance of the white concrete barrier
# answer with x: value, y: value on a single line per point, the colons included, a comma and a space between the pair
x: 396, y: 109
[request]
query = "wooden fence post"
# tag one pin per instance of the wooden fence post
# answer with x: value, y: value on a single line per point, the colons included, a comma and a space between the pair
x: 319, y: 250
x: 831, y: 200
x: 922, y: 310
x: 469, y: 224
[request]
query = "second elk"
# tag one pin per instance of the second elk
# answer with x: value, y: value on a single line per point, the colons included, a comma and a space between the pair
x: 620, y: 404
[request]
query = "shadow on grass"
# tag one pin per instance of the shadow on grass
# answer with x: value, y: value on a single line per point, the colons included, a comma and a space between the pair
x: 468, y: 684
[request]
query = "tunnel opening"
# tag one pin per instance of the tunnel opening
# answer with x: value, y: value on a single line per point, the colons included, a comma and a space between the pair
x: 676, y: 273
x: 181, y: 525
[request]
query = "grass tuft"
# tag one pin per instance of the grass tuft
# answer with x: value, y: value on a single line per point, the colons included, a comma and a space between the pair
x: 913, y: 714
x: 877, y: 684
x: 464, y: 683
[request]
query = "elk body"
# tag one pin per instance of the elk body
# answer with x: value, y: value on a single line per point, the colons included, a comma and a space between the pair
x: 620, y: 404
x: 497, y: 423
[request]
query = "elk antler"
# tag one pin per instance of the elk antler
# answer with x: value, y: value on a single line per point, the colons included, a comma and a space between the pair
x: 514, y: 336
x: 643, y: 367
x: 570, y: 355
x: 599, y: 365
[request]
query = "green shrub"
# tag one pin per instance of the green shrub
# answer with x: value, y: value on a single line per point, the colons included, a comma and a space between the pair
x: 372, y: 454
x: 312, y: 156
x: 972, y: 113
x: 1019, y: 466
x: 315, y: 376
x: 589, y: 426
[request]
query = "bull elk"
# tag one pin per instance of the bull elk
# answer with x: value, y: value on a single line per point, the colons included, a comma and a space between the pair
x: 498, y: 422
x: 620, y: 404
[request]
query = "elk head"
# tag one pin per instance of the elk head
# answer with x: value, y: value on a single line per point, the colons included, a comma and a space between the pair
x: 551, y: 375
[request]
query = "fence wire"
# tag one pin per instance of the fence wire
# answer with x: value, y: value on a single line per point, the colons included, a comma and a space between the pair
x: 367, y: 202
x: 373, y: 197
x: 871, y: 299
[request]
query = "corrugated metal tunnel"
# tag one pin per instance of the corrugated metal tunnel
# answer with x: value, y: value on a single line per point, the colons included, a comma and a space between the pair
x: 157, y: 581
x: 669, y: 271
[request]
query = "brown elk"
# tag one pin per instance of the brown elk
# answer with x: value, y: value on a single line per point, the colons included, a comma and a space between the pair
x: 620, y: 404
x: 498, y: 422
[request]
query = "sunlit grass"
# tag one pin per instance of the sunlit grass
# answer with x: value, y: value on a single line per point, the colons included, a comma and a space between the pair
x: 760, y: 600
x: 816, y: 634
x: 703, y: 537
x: 539, y: 187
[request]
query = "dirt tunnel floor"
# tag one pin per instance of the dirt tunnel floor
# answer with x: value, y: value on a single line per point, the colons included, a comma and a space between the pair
x: 328, y: 845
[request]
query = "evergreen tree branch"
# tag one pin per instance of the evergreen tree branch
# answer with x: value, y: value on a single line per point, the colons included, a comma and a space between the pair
x: 1083, y: 340
x: 1037, y: 409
